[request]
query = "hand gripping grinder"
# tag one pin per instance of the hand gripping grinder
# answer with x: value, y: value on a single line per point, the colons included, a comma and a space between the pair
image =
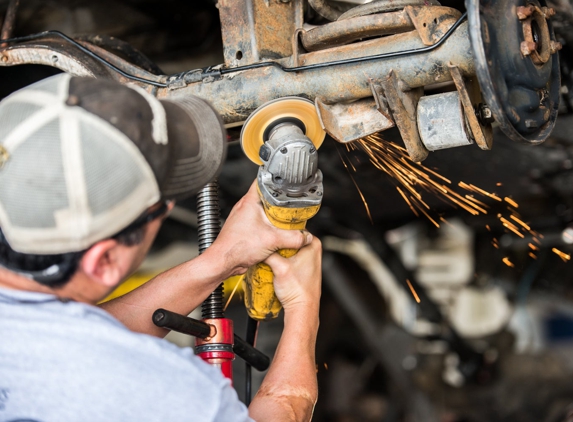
x: 282, y: 136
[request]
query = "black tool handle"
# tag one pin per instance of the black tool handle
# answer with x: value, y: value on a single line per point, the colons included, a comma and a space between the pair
x: 183, y: 324
x: 249, y: 354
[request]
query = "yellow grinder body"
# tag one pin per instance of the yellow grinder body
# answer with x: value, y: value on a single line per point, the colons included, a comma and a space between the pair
x: 289, y: 183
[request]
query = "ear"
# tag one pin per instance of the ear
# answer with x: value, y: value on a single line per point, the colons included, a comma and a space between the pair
x: 104, y: 263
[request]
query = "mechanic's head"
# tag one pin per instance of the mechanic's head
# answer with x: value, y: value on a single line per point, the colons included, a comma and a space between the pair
x: 88, y: 168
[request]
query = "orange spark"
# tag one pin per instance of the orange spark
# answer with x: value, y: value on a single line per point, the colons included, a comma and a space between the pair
x: 565, y: 257
x: 525, y: 226
x: 532, y: 255
x: 511, y: 202
x: 233, y: 293
x: 507, y: 262
x: 413, y: 291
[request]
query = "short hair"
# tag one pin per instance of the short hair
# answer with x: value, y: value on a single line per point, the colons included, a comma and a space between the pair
x: 69, y: 262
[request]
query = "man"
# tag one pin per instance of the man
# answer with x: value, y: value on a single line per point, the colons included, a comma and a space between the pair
x: 88, y: 170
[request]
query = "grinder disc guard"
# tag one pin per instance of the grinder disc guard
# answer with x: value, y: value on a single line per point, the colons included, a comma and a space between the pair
x: 269, y: 114
x: 522, y: 90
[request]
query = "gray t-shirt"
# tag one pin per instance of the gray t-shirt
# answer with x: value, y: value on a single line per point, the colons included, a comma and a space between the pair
x: 72, y: 362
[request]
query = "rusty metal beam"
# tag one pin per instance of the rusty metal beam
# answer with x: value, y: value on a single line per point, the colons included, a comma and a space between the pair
x: 348, y: 30
x: 237, y: 95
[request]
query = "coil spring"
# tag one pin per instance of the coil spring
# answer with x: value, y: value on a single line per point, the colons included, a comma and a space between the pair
x: 209, y: 226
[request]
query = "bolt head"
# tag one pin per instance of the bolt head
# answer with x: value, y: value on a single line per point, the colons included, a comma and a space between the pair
x: 312, y: 150
x: 319, y: 193
x: 523, y: 12
x: 275, y: 194
x: 548, y: 12
x: 283, y: 150
x: 530, y: 124
x: 555, y: 46
x: 528, y: 47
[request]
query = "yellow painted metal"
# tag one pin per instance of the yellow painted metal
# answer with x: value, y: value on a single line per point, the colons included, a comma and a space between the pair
x: 255, y: 126
x: 260, y: 299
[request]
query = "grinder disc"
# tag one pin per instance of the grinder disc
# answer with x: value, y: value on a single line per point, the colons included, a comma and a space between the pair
x: 273, y: 112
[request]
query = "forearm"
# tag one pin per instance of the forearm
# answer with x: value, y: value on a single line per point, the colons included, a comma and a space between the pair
x: 289, y: 390
x: 180, y: 289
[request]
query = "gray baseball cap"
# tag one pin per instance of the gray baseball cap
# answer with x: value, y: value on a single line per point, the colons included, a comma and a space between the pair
x: 82, y: 158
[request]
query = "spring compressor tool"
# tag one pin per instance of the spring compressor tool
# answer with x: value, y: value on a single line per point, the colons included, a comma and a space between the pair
x: 282, y: 136
x: 216, y: 342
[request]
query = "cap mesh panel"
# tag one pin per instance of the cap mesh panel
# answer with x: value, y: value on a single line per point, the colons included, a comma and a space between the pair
x: 50, y: 85
x: 14, y: 113
x: 30, y: 194
x: 110, y: 178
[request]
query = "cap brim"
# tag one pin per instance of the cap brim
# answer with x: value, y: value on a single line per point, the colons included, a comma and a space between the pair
x: 198, y: 146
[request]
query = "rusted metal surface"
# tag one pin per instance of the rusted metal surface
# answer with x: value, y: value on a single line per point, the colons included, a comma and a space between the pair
x: 403, y: 105
x: 236, y: 96
x: 254, y: 30
x: 537, y: 42
x: 482, y: 134
x: 324, y: 9
x: 66, y: 57
x: 9, y: 21
x: 347, y: 122
x: 295, y: 46
x: 522, y: 95
x: 348, y: 30
x: 382, y: 6
x: 441, y: 121
x: 432, y: 22
x: 380, y: 99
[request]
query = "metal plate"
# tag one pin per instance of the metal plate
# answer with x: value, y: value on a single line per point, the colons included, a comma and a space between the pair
x: 523, y: 96
x: 254, y: 128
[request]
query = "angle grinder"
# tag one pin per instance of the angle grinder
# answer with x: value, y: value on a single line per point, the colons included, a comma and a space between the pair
x: 282, y: 136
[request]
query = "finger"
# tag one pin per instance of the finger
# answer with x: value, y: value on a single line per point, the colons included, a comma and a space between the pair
x: 276, y: 262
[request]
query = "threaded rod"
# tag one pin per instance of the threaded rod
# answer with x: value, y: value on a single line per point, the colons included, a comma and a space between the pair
x: 209, y: 226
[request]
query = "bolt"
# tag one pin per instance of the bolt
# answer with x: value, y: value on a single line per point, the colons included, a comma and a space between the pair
x: 319, y: 193
x: 275, y: 194
x: 312, y: 150
x: 55, y: 59
x: 555, y: 46
x: 531, y: 124
x: 548, y: 12
x: 484, y: 114
x: 523, y: 12
x: 283, y: 150
x: 528, y: 47
x: 4, y: 59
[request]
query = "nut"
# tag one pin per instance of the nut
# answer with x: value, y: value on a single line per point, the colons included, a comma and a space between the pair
x: 530, y: 124
x: 555, y: 46
x: 528, y: 47
x: 523, y: 12
x: 548, y: 12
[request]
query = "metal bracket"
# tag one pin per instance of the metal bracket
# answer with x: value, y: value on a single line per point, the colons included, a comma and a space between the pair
x: 403, y: 103
x: 432, y: 22
x: 482, y: 134
x: 347, y: 122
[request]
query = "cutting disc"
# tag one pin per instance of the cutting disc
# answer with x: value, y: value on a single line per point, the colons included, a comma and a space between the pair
x: 252, y: 134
